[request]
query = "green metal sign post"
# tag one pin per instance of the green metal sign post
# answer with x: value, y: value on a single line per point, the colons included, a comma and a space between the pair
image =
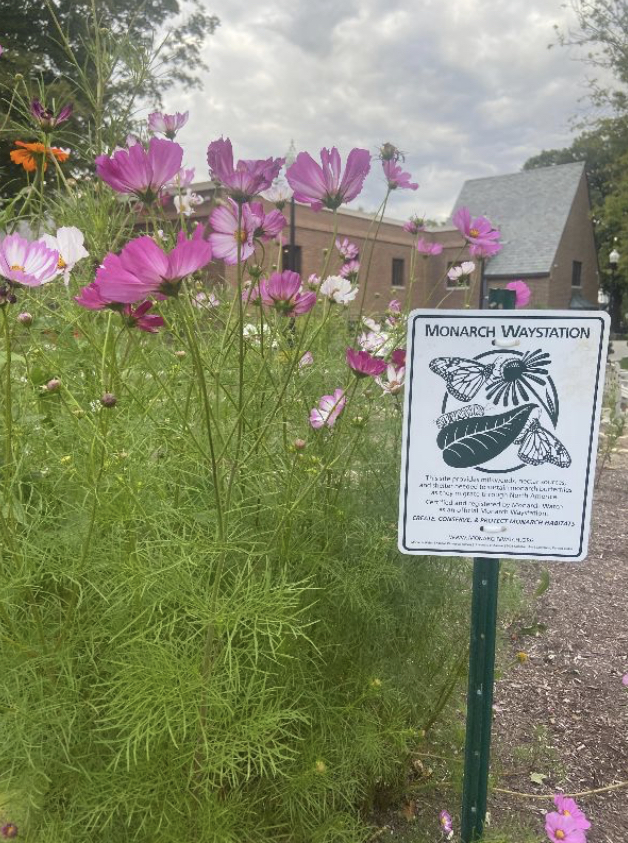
x: 481, y: 671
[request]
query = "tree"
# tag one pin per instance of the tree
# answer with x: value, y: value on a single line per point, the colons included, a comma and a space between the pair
x: 102, y: 54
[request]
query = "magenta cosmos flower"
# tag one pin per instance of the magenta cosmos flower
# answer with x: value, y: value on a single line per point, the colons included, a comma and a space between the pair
x: 426, y: 249
x: 135, y: 317
x: 562, y: 829
x: 247, y: 178
x: 478, y: 231
x: 142, y: 268
x: 268, y: 225
x: 283, y: 291
x: 46, y: 118
x: 230, y: 228
x: 396, y: 177
x: 523, y: 293
x: 328, y: 410
x: 414, y: 225
x: 141, y: 172
x: 26, y: 262
x: 568, y: 808
x: 167, y: 124
x: 348, y: 250
x: 363, y: 364
x: 325, y: 186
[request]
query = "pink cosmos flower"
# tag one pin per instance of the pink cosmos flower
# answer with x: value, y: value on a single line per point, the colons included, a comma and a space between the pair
x: 323, y: 186
x: 267, y: 225
x: 446, y: 824
x: 568, y: 808
x: 26, y: 262
x: 624, y: 679
x: 247, y: 178
x: 348, y: 250
x: 226, y: 234
x: 398, y: 357
x: 394, y: 306
x: 283, y: 292
x: 306, y: 360
x: 396, y: 177
x: 328, y: 410
x: 363, y: 364
x: 425, y: 248
x: 136, y: 317
x: 484, y: 250
x: 562, y: 829
x: 141, y: 172
x: 350, y: 270
x: 142, y: 268
x: 523, y: 294
x: 478, y: 231
x: 46, y: 118
x: 414, y: 225
x: 90, y: 297
x: 167, y: 124
x: 10, y: 830
x: 394, y: 380
x: 183, y: 178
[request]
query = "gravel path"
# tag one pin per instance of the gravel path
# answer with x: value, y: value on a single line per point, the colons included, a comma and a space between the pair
x: 563, y: 714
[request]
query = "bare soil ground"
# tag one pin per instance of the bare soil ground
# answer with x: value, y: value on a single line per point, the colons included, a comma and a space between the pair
x: 563, y: 714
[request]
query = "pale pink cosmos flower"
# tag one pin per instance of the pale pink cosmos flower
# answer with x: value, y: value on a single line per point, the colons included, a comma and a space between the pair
x: 68, y: 242
x: 278, y: 193
x: 326, y: 186
x: 414, y: 225
x: 247, y: 178
x: 338, y: 289
x: 426, y: 249
x: 313, y: 281
x: 624, y: 679
x: 462, y: 272
x: 167, y: 124
x: 562, y: 829
x: 183, y: 178
x: 306, y: 360
x: 363, y: 364
x: 226, y: 234
x: 394, y: 306
x: 328, y: 410
x: 396, y: 177
x: 394, y: 380
x: 283, y: 292
x: 143, y: 268
x: 141, y: 172
x: 26, y: 262
x: 371, y: 324
x: 350, y: 270
x: 376, y: 342
x: 523, y: 294
x: 568, y: 808
x: 204, y: 300
x: 348, y: 250
x: 446, y: 824
x: 477, y: 231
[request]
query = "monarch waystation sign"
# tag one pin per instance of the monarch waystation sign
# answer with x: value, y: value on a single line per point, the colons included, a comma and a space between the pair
x: 501, y: 422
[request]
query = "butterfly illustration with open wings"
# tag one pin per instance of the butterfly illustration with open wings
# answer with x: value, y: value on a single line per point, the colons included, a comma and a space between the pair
x: 537, y: 445
x: 464, y: 378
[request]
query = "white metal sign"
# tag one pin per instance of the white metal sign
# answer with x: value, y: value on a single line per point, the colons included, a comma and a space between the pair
x: 501, y: 421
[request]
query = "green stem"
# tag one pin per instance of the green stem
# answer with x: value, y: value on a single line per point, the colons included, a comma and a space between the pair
x: 8, y: 408
x: 370, y: 259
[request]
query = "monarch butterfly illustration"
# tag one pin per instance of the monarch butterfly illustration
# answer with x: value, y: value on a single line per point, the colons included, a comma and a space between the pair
x: 464, y: 378
x: 537, y: 445
x: 463, y: 413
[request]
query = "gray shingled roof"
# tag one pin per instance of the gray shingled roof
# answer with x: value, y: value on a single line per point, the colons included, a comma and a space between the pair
x: 530, y: 209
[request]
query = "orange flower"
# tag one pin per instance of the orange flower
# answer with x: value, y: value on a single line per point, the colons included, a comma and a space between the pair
x: 28, y: 155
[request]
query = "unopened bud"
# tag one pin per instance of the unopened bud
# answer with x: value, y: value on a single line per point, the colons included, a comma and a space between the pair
x: 108, y: 400
x: 299, y: 444
x: 25, y: 319
x: 53, y: 385
x: 18, y: 77
x: 320, y: 767
x: 9, y: 831
x: 180, y: 354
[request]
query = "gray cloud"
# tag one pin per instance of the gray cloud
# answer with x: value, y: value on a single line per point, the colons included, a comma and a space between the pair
x: 465, y: 89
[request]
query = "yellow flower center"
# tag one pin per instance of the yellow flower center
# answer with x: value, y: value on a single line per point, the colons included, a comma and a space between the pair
x: 473, y: 232
x: 240, y: 236
x: 560, y: 835
x: 566, y: 814
x: 17, y: 268
x: 61, y: 264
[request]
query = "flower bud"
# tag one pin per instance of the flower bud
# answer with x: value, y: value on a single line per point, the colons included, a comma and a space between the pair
x: 180, y: 354
x: 320, y: 767
x: 18, y: 77
x: 53, y: 385
x: 9, y: 831
x: 108, y: 400
x: 299, y: 444
x: 25, y: 319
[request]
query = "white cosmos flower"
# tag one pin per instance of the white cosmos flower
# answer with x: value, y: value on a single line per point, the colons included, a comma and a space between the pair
x: 394, y: 379
x: 278, y: 193
x: 68, y: 241
x: 378, y: 343
x: 372, y: 325
x: 462, y: 271
x: 186, y: 202
x: 338, y: 289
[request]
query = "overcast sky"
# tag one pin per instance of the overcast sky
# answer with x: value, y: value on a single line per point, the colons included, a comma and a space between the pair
x: 466, y: 89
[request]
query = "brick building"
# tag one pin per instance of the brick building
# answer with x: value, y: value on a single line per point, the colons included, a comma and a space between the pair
x: 547, y: 235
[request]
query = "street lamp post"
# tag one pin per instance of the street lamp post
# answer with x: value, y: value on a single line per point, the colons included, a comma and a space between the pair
x: 291, y: 156
x: 615, y: 299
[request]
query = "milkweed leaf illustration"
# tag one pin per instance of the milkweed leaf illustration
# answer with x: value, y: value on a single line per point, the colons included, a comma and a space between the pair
x: 477, y: 440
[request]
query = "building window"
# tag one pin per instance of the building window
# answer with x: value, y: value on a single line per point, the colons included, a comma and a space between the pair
x: 285, y: 258
x: 397, y: 272
x: 576, y: 274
